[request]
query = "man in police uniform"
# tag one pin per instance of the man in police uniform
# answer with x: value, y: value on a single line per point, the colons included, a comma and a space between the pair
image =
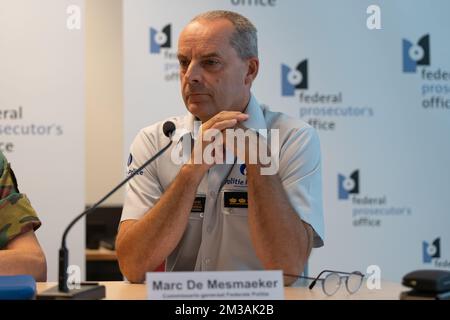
x: 20, y: 252
x: 221, y: 216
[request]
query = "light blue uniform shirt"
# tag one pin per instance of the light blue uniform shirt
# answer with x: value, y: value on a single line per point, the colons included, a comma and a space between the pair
x: 218, y: 238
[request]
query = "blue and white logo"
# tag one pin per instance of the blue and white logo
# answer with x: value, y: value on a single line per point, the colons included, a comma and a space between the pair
x: 160, y: 39
x: 293, y: 79
x: 416, y: 54
x: 348, y: 185
x: 431, y: 250
x: 243, y: 169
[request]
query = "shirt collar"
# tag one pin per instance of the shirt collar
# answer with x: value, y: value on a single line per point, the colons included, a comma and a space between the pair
x: 256, y: 120
x: 186, y: 127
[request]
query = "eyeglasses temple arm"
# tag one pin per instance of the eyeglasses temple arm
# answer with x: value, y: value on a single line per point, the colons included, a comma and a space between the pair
x: 302, y: 277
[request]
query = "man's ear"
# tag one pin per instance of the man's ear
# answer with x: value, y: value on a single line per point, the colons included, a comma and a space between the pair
x: 252, y: 70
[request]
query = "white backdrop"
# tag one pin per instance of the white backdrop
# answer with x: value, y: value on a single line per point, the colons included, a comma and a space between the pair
x: 42, y: 82
x: 385, y: 127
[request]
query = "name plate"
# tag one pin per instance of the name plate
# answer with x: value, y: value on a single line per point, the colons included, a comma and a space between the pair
x: 216, y: 285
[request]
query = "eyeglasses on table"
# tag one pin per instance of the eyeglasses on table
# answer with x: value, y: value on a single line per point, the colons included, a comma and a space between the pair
x: 334, y: 279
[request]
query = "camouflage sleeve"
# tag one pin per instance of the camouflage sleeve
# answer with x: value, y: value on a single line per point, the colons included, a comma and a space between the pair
x: 17, y: 216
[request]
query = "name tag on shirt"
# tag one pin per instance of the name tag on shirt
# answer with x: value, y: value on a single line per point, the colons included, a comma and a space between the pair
x: 235, y: 200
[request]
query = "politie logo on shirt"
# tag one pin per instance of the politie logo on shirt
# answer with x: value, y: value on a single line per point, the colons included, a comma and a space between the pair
x: 160, y: 39
x: 243, y: 169
x: 238, y: 179
x: 132, y: 170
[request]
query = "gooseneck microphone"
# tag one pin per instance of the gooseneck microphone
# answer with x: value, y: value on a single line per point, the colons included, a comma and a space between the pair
x: 87, y: 291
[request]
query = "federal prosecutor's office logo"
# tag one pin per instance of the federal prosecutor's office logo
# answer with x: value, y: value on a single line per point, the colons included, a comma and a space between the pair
x: 435, y: 85
x: 320, y: 109
x: 416, y: 54
x: 348, y: 185
x: 293, y: 79
x: 432, y: 253
x: 431, y: 250
x: 160, y: 39
x: 368, y: 209
x: 160, y: 48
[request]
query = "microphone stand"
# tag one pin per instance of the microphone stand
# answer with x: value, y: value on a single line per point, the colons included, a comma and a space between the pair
x: 90, y: 291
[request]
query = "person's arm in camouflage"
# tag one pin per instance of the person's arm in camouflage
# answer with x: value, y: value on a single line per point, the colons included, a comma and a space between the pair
x: 20, y: 252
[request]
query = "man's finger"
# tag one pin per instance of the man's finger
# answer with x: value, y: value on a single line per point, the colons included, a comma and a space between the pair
x: 226, y: 115
x: 225, y: 124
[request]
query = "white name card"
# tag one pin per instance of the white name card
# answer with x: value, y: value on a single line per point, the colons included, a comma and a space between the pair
x: 217, y: 285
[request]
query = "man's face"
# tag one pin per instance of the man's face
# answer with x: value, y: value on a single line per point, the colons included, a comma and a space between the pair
x: 213, y: 76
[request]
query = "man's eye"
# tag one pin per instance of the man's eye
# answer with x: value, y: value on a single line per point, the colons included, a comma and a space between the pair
x: 211, y: 62
x: 184, y: 63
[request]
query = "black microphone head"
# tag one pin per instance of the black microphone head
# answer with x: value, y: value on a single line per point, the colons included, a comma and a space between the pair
x: 168, y: 128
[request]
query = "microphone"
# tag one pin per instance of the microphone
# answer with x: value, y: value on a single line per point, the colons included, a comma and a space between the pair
x: 168, y: 128
x: 92, y: 290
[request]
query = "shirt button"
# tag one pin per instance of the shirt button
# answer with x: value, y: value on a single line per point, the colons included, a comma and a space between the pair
x: 202, y: 214
x: 212, y: 193
x: 207, y: 261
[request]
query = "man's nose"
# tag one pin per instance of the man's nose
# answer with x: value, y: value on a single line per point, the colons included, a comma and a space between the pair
x: 193, y: 73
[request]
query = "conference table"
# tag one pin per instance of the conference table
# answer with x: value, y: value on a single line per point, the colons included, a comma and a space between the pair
x: 121, y: 290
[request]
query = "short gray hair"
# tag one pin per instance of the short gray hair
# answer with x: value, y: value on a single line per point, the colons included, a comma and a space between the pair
x: 244, y: 39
